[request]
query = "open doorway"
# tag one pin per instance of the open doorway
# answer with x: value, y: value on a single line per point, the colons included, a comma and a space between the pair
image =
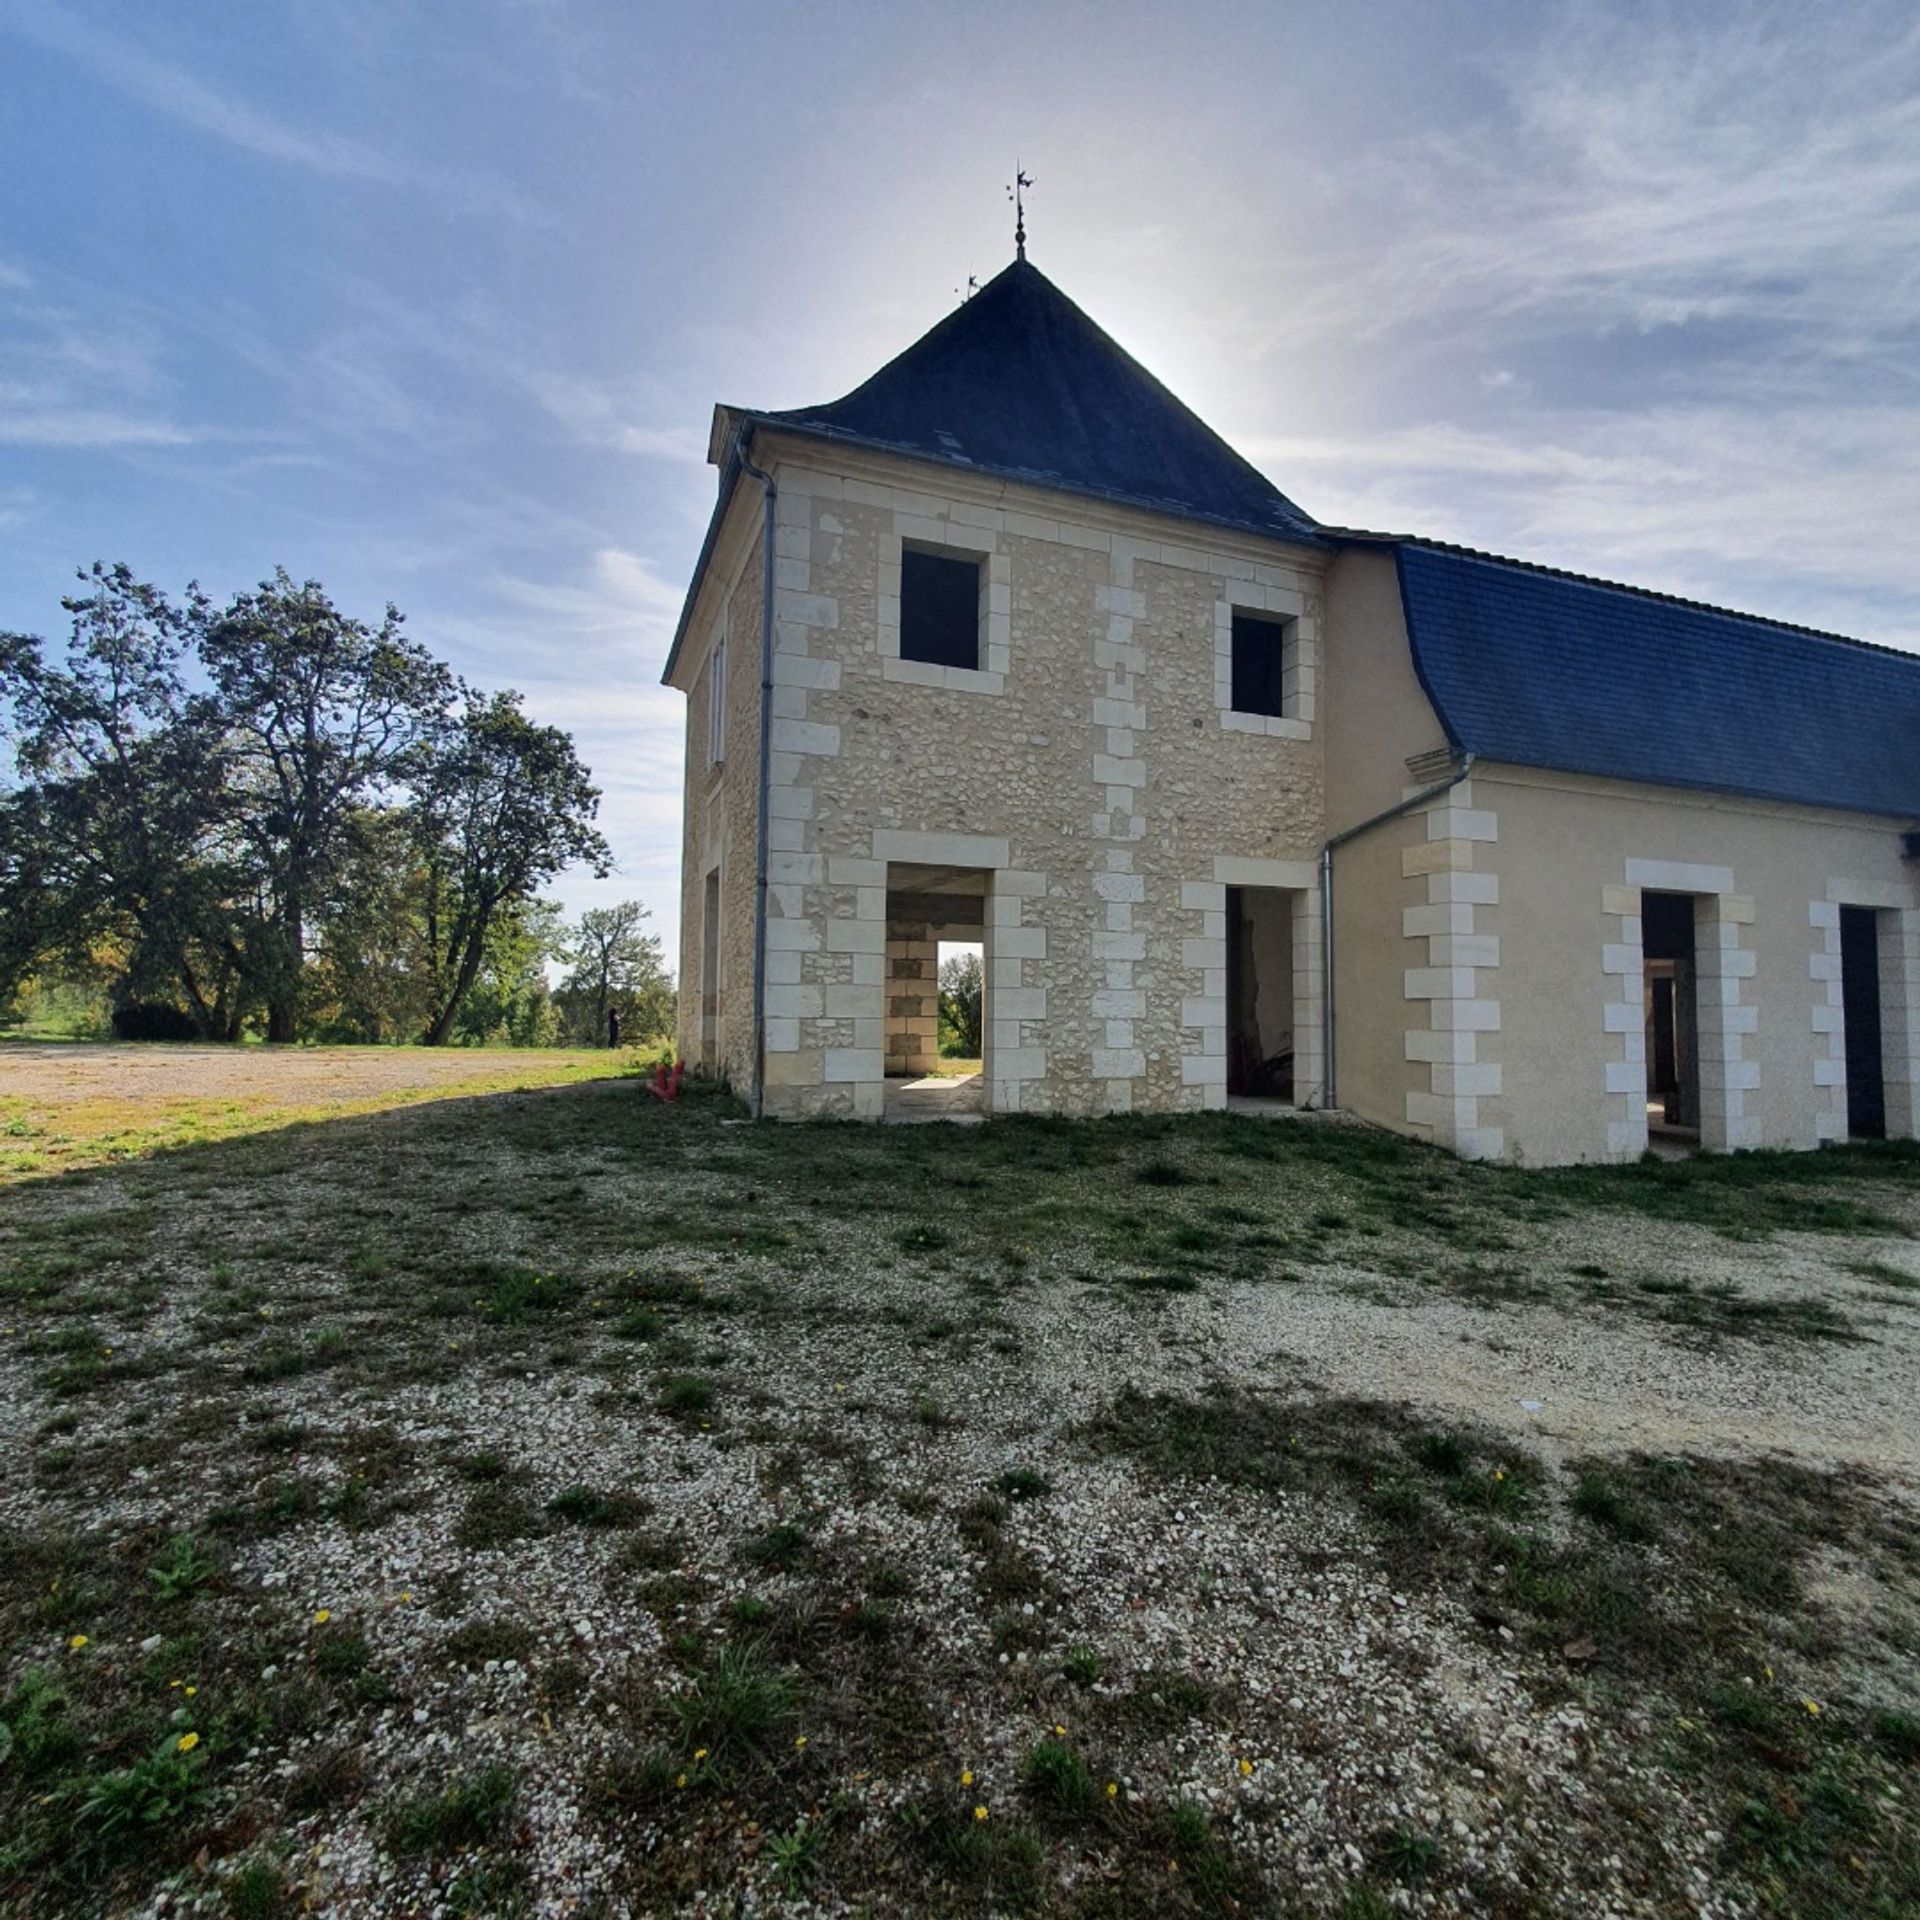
x: 936, y: 918
x: 1260, y: 993
x: 1860, y: 1018
x: 1672, y: 1018
x: 710, y: 974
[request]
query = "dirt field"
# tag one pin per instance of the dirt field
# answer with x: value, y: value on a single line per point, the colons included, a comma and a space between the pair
x: 74, y: 1104
x: 562, y: 1503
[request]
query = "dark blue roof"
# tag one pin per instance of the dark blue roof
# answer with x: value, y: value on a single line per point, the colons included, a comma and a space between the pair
x: 1544, y: 669
x: 1018, y: 381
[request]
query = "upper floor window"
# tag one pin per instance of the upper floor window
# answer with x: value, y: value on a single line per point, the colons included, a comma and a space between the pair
x: 1265, y: 664
x: 940, y: 607
x: 717, y: 705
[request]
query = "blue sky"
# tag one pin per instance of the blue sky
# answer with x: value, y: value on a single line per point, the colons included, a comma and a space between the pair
x: 432, y: 303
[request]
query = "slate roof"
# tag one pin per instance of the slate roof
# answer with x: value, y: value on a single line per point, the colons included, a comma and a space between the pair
x: 1019, y: 381
x: 1545, y: 669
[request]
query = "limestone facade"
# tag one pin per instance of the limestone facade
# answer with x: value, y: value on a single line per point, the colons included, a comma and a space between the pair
x: 1085, y: 799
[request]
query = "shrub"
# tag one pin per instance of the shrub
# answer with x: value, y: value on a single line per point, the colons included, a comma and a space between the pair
x: 153, y: 1020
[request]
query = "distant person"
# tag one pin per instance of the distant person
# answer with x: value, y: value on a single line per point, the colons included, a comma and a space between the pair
x: 613, y: 1026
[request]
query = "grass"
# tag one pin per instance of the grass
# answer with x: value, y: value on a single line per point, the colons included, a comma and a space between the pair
x: 315, y: 1350
x: 97, y: 1125
x: 467, y: 1813
x: 1676, y: 1571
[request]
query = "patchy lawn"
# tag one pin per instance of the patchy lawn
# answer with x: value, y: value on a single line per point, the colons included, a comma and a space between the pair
x: 560, y: 1502
x: 76, y: 1104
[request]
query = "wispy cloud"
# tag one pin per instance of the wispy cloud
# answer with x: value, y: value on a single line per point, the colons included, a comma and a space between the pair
x: 175, y: 91
x: 25, y: 421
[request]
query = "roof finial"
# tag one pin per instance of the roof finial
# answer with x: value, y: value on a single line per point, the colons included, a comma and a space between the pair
x: 1017, y: 194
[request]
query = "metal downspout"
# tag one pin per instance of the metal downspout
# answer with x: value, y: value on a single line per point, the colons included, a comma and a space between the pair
x: 769, y: 493
x: 1330, y: 1095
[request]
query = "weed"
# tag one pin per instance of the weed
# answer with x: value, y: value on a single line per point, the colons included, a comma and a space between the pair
x: 793, y: 1857
x: 157, y: 1791
x: 588, y: 1507
x: 256, y: 1890
x: 467, y: 1813
x: 1081, y: 1665
x: 782, y: 1548
x: 1406, y: 1854
x: 182, y: 1570
x: 496, y: 1516
x: 1024, y: 1483
x: 921, y: 1237
x: 482, y: 1640
x: 686, y: 1396
x: 738, y: 1705
x: 1057, y: 1778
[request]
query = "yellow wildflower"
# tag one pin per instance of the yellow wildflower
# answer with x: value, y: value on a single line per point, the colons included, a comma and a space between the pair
x: 966, y: 1777
x: 321, y: 1615
x: 78, y: 1641
x: 1246, y: 1769
x: 1813, y: 1707
x: 979, y: 1813
x: 190, y: 1691
x: 800, y: 1741
x: 1113, y: 1788
x: 187, y: 1742
x: 699, y: 1753
x: 681, y: 1781
x: 1059, y: 1729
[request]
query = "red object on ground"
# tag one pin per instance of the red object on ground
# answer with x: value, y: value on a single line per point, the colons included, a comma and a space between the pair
x: 666, y: 1081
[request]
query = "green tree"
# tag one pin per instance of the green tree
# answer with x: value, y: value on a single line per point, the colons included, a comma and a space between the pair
x: 501, y: 806
x: 117, y: 827
x: 616, y: 968
x: 961, y: 996
x: 323, y: 716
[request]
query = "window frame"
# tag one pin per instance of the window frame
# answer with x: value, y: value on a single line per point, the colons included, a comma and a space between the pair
x: 717, y: 704
x: 945, y: 557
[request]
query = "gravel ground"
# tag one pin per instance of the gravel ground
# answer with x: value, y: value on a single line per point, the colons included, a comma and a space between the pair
x: 971, y: 1570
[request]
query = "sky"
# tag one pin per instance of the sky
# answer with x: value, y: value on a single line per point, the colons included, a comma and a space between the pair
x: 432, y: 303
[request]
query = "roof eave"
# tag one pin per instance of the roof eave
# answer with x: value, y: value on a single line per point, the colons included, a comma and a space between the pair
x: 1302, y: 533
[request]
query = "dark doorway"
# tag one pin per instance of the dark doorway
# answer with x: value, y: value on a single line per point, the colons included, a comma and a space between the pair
x: 1673, y: 1051
x: 710, y: 974
x: 1260, y: 992
x: 1860, y: 1011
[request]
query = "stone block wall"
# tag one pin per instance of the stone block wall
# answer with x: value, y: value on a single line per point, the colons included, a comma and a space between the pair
x: 1085, y: 766
x: 913, y: 997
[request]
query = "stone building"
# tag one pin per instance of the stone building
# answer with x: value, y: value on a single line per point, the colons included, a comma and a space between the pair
x: 1008, y: 646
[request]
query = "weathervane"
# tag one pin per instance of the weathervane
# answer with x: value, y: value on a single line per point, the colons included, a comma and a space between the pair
x: 973, y: 287
x: 1017, y: 194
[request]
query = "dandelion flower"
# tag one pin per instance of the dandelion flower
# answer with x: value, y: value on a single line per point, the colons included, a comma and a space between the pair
x: 1060, y: 1730
x: 187, y: 1742
x: 700, y: 1753
x: 681, y: 1780
x: 979, y: 1813
x: 321, y: 1615
x: 1813, y: 1707
x: 78, y: 1641
x: 1246, y: 1769
x: 800, y: 1741
x: 966, y: 1778
x: 190, y: 1691
x: 1113, y: 1789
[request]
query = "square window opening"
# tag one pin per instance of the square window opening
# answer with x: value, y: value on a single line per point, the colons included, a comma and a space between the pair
x: 1265, y: 671
x: 940, y: 607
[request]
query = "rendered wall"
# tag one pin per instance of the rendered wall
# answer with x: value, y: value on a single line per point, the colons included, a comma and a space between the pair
x: 720, y: 820
x: 1574, y: 857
